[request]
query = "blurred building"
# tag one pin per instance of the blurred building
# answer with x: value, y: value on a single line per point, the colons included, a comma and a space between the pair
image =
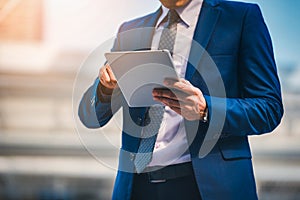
x: 21, y: 20
x: 43, y: 157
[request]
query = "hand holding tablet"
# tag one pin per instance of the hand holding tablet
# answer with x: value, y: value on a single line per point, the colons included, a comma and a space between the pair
x: 139, y: 72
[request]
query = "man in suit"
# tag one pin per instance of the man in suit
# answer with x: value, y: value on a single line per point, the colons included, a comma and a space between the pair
x: 236, y: 39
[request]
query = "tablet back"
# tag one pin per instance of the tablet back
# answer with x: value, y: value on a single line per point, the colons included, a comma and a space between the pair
x: 139, y: 72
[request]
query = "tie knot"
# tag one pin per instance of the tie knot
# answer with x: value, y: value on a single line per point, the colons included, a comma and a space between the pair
x: 173, y: 18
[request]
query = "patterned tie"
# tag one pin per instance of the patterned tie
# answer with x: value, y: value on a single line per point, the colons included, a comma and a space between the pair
x: 155, y: 113
x: 149, y: 134
x: 167, y: 39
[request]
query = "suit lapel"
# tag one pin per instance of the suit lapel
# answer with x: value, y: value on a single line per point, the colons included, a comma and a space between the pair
x: 145, y: 33
x: 206, y: 23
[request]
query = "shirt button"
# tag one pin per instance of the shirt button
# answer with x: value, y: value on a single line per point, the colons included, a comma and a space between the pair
x: 157, y: 146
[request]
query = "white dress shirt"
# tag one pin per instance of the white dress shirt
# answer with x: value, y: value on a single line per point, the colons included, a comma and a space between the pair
x: 171, y: 145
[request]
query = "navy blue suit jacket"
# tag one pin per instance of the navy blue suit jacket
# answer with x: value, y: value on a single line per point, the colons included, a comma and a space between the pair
x: 234, y: 34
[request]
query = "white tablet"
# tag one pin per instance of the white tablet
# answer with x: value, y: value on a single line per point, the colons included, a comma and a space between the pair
x: 139, y: 72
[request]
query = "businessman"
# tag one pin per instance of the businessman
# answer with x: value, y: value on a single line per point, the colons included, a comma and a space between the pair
x: 166, y: 164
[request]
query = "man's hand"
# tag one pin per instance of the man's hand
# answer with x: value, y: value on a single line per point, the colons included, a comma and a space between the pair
x: 107, y: 78
x: 183, y: 98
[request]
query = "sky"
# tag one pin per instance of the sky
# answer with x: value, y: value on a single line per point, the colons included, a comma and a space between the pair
x: 282, y: 18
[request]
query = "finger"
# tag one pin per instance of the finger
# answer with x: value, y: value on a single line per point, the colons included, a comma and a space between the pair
x: 173, y: 94
x: 102, y: 81
x: 177, y: 110
x: 192, y: 99
x: 198, y: 103
x: 101, y: 75
x: 170, y: 93
x: 105, y: 75
x: 181, y: 97
x: 183, y: 111
x: 182, y: 85
x: 105, y: 79
x: 165, y: 93
x: 168, y: 102
x: 111, y: 83
x: 170, y: 81
x: 111, y: 74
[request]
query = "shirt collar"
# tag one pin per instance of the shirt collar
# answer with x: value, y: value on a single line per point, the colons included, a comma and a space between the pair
x: 186, y: 13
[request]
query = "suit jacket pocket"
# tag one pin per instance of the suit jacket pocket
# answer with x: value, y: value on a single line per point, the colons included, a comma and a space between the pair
x: 234, y: 148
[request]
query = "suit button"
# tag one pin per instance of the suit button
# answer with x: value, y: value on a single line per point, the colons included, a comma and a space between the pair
x: 132, y: 155
x: 226, y: 135
x: 139, y: 120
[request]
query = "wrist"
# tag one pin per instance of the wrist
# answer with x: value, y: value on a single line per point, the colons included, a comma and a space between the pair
x: 202, y: 107
x: 105, y: 90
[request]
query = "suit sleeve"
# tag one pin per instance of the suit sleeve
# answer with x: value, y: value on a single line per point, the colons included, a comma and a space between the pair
x: 96, y: 108
x: 260, y: 109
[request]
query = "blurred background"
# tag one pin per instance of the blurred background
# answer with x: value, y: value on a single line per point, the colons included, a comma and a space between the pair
x: 42, y: 46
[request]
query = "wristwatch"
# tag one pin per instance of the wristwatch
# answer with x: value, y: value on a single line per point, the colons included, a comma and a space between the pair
x: 204, y: 115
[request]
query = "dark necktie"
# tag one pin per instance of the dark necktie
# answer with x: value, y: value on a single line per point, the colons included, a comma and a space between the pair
x: 155, y: 113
